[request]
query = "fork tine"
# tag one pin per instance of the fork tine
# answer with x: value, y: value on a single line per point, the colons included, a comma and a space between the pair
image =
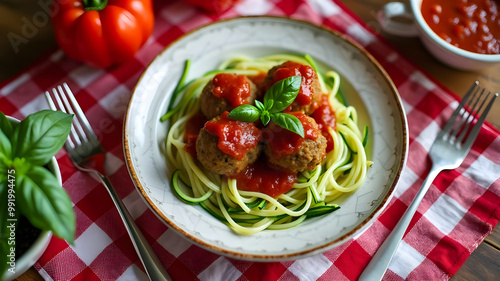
x: 64, y: 100
x: 451, y: 122
x: 50, y: 101
x: 475, y: 130
x: 476, y: 112
x: 79, y: 113
x: 462, y: 121
x: 53, y: 106
x: 61, y: 97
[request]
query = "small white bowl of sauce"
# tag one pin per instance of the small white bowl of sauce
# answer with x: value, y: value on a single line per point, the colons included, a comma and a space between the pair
x: 464, y: 34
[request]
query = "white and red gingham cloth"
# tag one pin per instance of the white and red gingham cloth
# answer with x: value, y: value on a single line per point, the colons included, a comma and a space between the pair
x: 459, y: 211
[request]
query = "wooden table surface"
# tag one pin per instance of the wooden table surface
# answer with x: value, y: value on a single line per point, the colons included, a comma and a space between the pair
x: 16, y: 53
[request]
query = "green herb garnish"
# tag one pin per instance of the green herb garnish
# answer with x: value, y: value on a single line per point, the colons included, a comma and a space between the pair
x: 26, y: 187
x: 276, y: 99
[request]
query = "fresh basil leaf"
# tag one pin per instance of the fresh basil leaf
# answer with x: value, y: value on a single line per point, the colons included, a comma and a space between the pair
x: 5, y: 150
x: 5, y: 125
x: 46, y: 205
x: 282, y: 93
x: 5, y: 144
x: 40, y: 136
x: 259, y: 105
x: 265, y: 118
x: 269, y: 104
x: 245, y: 113
x: 289, y: 122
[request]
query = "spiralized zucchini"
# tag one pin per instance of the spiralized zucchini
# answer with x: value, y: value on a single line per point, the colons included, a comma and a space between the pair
x: 343, y: 170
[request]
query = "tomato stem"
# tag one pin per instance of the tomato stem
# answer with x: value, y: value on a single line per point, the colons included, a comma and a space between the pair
x: 94, y: 5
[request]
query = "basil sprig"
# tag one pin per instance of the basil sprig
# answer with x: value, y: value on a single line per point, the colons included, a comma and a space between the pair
x: 26, y: 187
x: 277, y: 98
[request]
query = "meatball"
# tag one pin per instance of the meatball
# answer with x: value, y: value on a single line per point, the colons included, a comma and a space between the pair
x: 225, y: 92
x: 309, y: 96
x: 288, y: 151
x: 228, y: 150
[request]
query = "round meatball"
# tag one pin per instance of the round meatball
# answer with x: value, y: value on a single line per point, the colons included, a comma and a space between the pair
x: 307, y: 158
x: 243, y: 147
x: 226, y: 92
x: 310, y: 93
x: 290, y: 152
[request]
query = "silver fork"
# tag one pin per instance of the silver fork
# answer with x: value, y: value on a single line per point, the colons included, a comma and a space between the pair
x: 87, y: 155
x: 447, y: 152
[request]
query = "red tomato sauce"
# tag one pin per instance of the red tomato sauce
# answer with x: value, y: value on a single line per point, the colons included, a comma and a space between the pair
x: 233, y: 88
x: 193, y: 127
x: 260, y: 177
x: 258, y: 79
x: 472, y: 25
x: 325, y: 117
x: 236, y: 138
x: 290, y: 69
x: 284, y: 142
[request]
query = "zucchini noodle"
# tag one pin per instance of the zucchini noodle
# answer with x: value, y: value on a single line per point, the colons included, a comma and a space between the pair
x: 343, y: 170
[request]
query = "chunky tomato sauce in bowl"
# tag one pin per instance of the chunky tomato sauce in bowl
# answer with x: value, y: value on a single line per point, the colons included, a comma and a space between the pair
x: 464, y: 34
x: 472, y: 25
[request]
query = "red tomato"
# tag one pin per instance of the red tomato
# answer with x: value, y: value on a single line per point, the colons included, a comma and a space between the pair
x: 102, y: 33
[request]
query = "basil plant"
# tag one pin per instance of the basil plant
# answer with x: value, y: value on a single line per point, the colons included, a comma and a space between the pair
x: 27, y: 187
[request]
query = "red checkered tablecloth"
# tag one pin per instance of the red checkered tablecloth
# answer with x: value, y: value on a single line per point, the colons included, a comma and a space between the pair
x: 459, y: 211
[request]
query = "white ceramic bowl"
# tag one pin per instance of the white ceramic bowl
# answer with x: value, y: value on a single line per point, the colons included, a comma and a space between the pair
x: 365, y: 85
x: 438, y: 47
x: 28, y: 259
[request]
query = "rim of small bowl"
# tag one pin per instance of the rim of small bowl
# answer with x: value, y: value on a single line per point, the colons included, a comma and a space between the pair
x: 488, y: 58
x: 35, y: 251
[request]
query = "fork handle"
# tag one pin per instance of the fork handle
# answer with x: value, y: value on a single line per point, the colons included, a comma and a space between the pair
x: 150, y: 261
x: 378, y: 265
